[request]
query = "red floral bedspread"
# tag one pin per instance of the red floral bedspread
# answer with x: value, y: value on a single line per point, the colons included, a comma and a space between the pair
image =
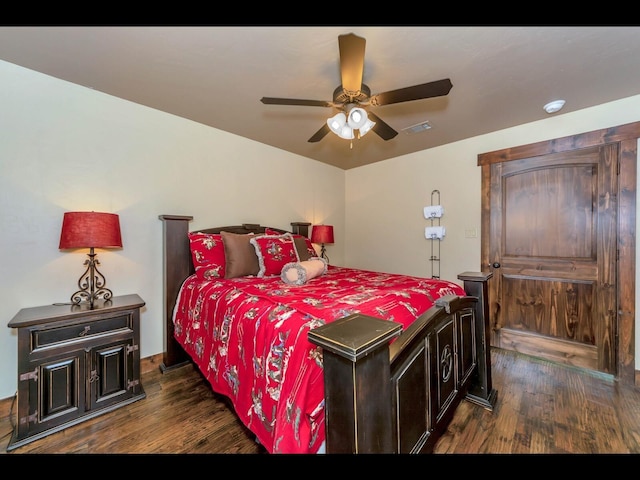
x: 248, y: 336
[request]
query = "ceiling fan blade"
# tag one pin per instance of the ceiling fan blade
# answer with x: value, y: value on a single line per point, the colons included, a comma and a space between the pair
x: 295, y: 101
x: 319, y: 135
x: 383, y: 130
x: 417, y: 92
x: 351, y: 61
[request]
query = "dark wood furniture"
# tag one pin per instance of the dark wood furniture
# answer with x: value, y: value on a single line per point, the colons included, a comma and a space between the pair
x: 380, y: 396
x: 75, y: 363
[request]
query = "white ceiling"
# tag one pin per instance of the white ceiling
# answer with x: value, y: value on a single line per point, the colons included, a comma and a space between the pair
x: 214, y: 75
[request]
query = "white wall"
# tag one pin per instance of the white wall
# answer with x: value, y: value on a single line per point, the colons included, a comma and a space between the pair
x: 384, y: 201
x: 64, y: 147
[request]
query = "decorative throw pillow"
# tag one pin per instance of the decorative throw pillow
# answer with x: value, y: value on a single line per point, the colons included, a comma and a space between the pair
x: 240, y: 255
x: 298, y: 273
x: 207, y: 253
x: 304, y: 247
x: 274, y: 252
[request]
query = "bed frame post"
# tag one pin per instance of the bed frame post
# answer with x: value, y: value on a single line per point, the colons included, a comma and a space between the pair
x: 176, y: 256
x: 357, y: 385
x: 300, y: 228
x: 481, y: 391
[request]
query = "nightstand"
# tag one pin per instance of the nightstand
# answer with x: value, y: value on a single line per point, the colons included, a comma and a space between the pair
x: 75, y: 363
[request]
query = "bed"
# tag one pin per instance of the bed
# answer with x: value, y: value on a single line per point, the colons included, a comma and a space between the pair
x: 325, y: 359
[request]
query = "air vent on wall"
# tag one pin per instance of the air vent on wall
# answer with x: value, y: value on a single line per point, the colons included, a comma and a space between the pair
x: 417, y: 128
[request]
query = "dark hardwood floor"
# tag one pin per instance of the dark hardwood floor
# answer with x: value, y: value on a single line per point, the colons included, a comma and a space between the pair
x: 542, y: 408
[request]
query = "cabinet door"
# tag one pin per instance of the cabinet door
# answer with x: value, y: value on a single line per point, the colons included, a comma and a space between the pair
x: 54, y: 391
x: 112, y: 378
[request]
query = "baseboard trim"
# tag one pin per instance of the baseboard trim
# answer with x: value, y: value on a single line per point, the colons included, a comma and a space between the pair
x: 150, y: 363
x: 5, y: 405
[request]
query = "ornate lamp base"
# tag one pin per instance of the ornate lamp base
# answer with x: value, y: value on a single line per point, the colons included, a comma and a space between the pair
x: 91, y: 283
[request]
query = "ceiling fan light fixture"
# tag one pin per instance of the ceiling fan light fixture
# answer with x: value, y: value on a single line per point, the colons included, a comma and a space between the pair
x: 338, y: 125
x: 344, y: 125
x: 337, y: 122
x: 366, y: 127
x: 357, y: 118
x: 346, y: 132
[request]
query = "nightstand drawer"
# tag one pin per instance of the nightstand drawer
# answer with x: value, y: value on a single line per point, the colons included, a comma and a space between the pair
x: 80, y: 331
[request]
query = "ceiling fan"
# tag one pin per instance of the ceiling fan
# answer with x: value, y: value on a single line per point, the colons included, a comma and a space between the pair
x: 352, y: 95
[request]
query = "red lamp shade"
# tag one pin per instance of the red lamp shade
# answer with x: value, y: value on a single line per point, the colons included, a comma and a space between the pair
x: 90, y: 229
x: 322, y: 234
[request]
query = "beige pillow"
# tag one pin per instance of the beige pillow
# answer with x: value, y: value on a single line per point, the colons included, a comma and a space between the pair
x: 298, y: 273
x: 240, y: 255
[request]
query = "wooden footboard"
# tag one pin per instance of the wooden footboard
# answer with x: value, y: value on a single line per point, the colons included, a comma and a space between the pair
x: 398, y: 397
x: 386, y: 390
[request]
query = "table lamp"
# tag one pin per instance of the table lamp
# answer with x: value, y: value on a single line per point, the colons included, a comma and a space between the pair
x: 322, y: 234
x: 90, y: 230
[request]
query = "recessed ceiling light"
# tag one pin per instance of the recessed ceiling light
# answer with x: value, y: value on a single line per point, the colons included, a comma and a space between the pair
x: 553, y: 107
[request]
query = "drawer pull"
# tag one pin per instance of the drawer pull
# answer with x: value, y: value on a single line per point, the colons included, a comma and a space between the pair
x: 85, y: 331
